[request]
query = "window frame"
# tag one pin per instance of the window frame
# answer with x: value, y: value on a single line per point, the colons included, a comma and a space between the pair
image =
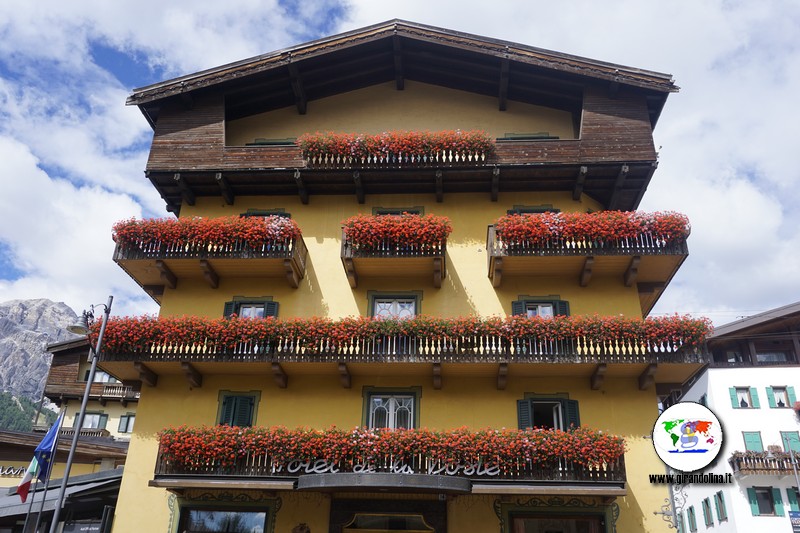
x: 374, y: 296
x: 770, y: 495
x: 708, y: 518
x: 691, y: 518
x: 233, y: 306
x: 274, y: 212
x: 569, y: 410
x: 737, y: 395
x: 752, y: 435
x: 788, y: 395
x: 370, y: 392
x: 129, y: 421
x: 255, y: 396
x: 398, y: 211
x: 268, y: 506
x: 719, y: 504
x: 102, y: 420
x: 559, y: 307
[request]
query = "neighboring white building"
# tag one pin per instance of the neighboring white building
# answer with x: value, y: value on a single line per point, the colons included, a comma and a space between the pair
x: 752, y: 385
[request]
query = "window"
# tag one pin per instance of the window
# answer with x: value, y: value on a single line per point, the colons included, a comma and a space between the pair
x: 547, y: 412
x: 251, y: 307
x: 752, y: 441
x: 547, y: 306
x: 126, y: 423
x: 792, y: 496
x: 532, y: 209
x: 692, y: 519
x: 237, y: 408
x: 228, y: 521
x: 277, y: 212
x: 744, y: 398
x: 94, y: 421
x: 791, y: 441
x: 100, y: 377
x: 415, y: 210
x: 719, y: 505
x: 681, y: 526
x: 765, y: 501
x: 779, y: 397
x: 400, y: 305
x: 708, y: 518
x: 393, y: 409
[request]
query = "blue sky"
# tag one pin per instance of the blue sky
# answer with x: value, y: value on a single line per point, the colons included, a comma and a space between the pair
x: 74, y: 155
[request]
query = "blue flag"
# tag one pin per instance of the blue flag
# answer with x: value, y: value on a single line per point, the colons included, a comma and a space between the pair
x: 46, y: 450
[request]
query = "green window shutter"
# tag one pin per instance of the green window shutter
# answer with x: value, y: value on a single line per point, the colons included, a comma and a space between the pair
x: 776, y: 498
x: 243, y: 413
x: 681, y: 523
x: 751, y: 497
x: 524, y: 414
x: 771, y: 398
x: 571, y: 413
x: 270, y: 309
x: 230, y: 308
x: 752, y: 441
x: 734, y: 400
x: 103, y: 421
x: 705, y: 513
x: 518, y: 307
x: 791, y: 440
x: 123, y: 424
x: 791, y: 497
x: 754, y: 398
x: 561, y: 308
x: 228, y: 406
x: 791, y: 396
x: 716, y: 506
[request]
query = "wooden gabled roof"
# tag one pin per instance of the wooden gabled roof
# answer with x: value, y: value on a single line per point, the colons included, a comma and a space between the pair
x: 396, y: 51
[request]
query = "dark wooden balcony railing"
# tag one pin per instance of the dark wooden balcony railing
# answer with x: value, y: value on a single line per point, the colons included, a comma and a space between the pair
x: 761, y: 463
x: 262, y: 466
x: 156, y: 264
x: 394, y: 258
x: 415, y: 349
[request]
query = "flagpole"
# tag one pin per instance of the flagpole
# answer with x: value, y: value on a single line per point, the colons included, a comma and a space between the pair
x: 33, y: 497
x: 49, y: 474
x: 79, y: 421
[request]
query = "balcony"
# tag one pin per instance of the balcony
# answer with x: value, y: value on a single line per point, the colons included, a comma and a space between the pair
x: 762, y: 463
x: 639, y: 249
x: 663, y: 349
x: 160, y: 253
x: 421, y: 460
x: 392, y: 246
x: 120, y: 393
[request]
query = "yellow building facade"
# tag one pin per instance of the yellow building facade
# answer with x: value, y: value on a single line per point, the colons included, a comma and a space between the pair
x: 566, y: 135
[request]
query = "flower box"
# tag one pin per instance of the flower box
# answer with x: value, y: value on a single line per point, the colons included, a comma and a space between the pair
x: 397, y: 147
x: 387, y: 233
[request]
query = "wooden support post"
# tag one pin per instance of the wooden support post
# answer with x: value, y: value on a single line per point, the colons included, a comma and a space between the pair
x: 598, y: 376
x: 495, y: 183
x: 439, y: 186
x: 629, y: 278
x: 297, y: 88
x: 437, y: 376
x: 359, y: 187
x: 350, y: 270
x: 194, y: 377
x: 497, y: 273
x: 301, y: 187
x: 224, y: 188
x: 281, y: 379
x: 502, y: 97
x: 186, y: 191
x: 579, y: 183
x: 209, y: 274
x: 438, y: 272
x: 344, y: 376
x: 147, y: 376
x: 648, y: 376
x: 166, y: 274
x: 618, y: 185
x: 502, y: 376
x: 399, y: 76
x: 292, y: 273
x: 586, y: 273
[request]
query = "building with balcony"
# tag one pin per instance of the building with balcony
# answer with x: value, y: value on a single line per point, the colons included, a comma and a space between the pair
x: 403, y: 288
x: 751, y: 386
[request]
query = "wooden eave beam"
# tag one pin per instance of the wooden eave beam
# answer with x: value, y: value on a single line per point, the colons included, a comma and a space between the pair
x: 359, y: 187
x: 437, y: 376
x: 502, y: 98
x: 399, y: 76
x: 650, y: 286
x: 193, y: 377
x: 297, y: 88
x: 648, y: 376
x: 224, y: 188
x: 439, y: 272
x: 497, y: 272
x: 645, y: 183
x: 350, y: 271
x: 502, y: 376
x: 495, y: 183
x: 301, y: 187
x: 167, y: 275
x: 281, y: 379
x: 439, y: 187
x: 344, y: 376
x: 147, y: 376
x: 209, y: 274
x: 579, y: 183
x: 618, y: 185
x: 186, y: 192
x: 629, y: 278
x: 586, y: 273
x: 154, y: 290
x: 598, y: 376
x: 293, y: 274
